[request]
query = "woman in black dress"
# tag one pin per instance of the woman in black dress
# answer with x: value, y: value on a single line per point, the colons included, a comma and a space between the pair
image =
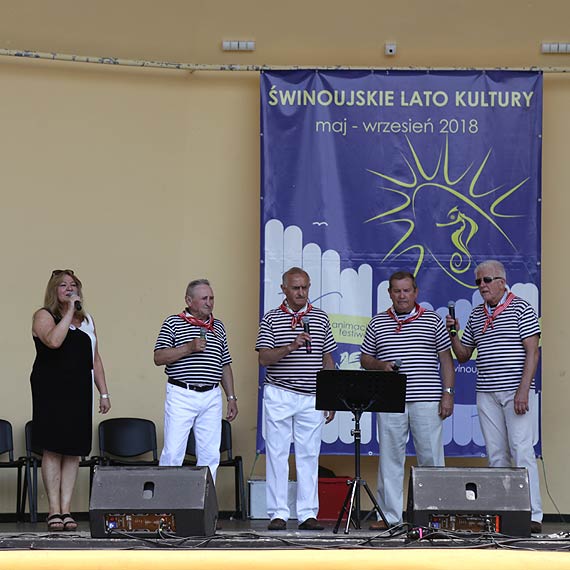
x: 67, y: 362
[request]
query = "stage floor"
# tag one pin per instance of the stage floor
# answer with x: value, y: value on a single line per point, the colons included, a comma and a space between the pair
x: 253, y: 534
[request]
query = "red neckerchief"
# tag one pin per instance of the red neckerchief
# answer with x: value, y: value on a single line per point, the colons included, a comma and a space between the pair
x: 208, y: 325
x: 496, y: 312
x: 296, y: 317
x: 401, y: 322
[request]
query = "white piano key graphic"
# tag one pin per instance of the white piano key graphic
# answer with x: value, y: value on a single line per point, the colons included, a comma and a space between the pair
x: 292, y: 247
x: 312, y: 264
x: 331, y: 282
x: 273, y: 263
x: 383, y: 301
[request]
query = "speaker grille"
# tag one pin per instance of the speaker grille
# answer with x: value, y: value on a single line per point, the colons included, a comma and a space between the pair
x: 147, y: 501
x: 497, y: 498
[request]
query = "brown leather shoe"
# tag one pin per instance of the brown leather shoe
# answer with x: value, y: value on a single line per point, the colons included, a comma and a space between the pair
x: 378, y: 525
x: 277, y: 524
x: 311, y: 524
x: 535, y: 527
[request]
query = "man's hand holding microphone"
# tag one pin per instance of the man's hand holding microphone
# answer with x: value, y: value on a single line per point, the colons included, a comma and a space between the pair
x: 390, y: 365
x: 451, y: 323
x: 199, y: 343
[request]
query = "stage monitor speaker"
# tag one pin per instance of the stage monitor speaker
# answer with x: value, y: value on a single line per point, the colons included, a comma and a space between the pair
x: 152, y: 501
x: 470, y: 499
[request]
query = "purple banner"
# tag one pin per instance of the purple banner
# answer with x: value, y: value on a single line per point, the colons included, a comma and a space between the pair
x: 368, y: 172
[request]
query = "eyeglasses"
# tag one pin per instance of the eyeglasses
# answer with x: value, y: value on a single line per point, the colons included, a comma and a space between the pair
x: 60, y: 271
x: 486, y: 280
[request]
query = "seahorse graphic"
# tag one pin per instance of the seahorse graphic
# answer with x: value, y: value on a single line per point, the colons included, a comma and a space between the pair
x: 460, y: 261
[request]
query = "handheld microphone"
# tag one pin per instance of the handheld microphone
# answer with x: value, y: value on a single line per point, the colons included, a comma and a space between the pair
x: 397, y: 364
x: 305, y: 320
x: 203, y: 333
x: 451, y: 310
x: 76, y: 304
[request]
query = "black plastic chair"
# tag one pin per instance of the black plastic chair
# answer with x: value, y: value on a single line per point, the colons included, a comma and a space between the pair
x: 122, y: 439
x: 230, y: 461
x: 33, y: 461
x: 7, y: 447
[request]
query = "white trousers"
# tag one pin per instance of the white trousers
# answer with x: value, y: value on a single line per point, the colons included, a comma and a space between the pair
x: 508, y: 438
x: 291, y: 417
x: 184, y: 410
x: 422, y: 419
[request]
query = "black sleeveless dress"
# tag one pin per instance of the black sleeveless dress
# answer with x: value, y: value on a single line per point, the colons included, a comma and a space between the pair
x: 62, y: 393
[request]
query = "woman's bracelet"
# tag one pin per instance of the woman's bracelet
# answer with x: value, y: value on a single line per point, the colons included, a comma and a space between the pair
x: 105, y: 396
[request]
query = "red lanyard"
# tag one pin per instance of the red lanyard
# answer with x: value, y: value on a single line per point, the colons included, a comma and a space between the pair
x: 496, y: 312
x: 401, y: 322
x: 296, y: 317
x: 209, y: 325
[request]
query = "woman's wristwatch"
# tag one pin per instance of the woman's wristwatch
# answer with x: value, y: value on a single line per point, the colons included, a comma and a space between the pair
x: 234, y: 398
x: 105, y: 396
x: 450, y: 390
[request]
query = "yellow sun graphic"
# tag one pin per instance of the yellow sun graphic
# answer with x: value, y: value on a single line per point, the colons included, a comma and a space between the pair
x: 424, y: 194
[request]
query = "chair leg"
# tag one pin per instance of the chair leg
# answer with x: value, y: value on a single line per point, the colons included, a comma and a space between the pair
x: 91, y: 474
x: 19, y: 508
x: 29, y: 490
x: 240, y: 490
x: 33, y: 493
x: 24, y: 494
x: 236, y: 490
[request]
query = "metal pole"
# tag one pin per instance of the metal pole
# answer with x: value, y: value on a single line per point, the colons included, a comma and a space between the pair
x: 117, y: 61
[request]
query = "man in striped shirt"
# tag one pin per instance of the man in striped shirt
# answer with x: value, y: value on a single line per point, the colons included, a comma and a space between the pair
x: 417, y: 337
x: 505, y: 331
x: 194, y: 348
x: 292, y: 357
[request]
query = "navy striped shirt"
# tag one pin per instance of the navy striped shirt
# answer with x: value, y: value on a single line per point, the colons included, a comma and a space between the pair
x: 418, y: 345
x: 500, y: 351
x: 296, y: 372
x: 198, y: 367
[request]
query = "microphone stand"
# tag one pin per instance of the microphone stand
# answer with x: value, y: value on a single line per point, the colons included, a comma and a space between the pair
x: 352, y: 499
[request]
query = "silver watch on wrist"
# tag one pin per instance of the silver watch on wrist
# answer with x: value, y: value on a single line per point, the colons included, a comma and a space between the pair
x: 450, y: 391
x: 234, y: 398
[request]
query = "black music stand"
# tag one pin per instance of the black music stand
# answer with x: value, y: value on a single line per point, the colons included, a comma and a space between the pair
x: 359, y: 391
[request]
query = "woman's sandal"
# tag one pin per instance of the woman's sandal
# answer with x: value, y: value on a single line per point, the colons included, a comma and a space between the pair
x: 55, y: 522
x: 68, y: 522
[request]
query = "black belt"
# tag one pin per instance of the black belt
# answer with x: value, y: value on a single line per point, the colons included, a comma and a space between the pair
x: 191, y: 386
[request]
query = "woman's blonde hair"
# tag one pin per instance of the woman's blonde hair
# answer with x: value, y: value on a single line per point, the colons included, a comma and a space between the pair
x: 51, y: 302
